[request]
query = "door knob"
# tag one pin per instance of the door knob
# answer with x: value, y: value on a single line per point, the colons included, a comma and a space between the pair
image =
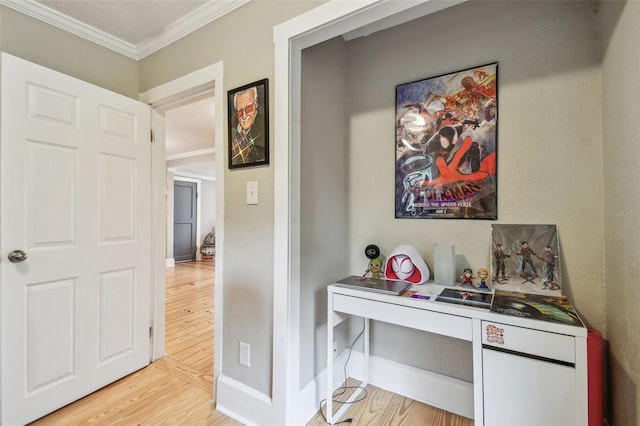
x: 17, y: 256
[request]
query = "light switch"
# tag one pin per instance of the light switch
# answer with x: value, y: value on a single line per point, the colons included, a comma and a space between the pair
x: 252, y: 192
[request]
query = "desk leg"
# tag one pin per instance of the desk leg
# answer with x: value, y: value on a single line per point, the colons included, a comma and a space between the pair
x: 478, y: 387
x: 365, y: 375
x: 329, y: 404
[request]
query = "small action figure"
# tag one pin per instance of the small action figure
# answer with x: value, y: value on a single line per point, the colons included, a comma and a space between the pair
x: 375, y: 267
x: 526, y: 252
x: 467, y: 278
x: 483, y: 274
x: 500, y: 255
x: 550, y: 261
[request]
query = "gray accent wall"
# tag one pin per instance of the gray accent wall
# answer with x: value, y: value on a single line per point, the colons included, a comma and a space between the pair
x: 549, y: 147
x: 324, y: 201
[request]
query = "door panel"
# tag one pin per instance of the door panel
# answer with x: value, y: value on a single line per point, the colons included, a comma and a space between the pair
x: 116, y: 314
x: 51, y: 183
x: 50, y: 344
x: 117, y: 180
x: 75, y: 194
x: 185, y: 221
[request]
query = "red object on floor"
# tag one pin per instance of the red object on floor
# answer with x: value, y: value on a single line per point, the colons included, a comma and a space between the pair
x: 594, y: 376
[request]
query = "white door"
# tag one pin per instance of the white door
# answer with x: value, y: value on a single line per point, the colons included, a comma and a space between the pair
x: 75, y: 196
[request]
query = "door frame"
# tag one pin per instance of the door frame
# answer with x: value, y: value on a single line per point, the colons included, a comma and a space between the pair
x: 188, y: 88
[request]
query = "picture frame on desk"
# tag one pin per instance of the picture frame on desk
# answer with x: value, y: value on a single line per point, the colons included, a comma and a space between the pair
x: 461, y: 296
x: 536, y: 306
x: 446, y: 146
x: 526, y: 258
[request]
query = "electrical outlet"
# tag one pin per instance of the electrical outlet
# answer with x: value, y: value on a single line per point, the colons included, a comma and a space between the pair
x: 245, y: 354
x: 335, y: 349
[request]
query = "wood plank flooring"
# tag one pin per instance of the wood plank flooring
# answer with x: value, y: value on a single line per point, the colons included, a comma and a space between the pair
x: 381, y: 407
x: 178, y: 388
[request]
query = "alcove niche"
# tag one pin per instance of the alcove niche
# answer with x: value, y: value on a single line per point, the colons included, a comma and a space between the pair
x: 314, y: 177
x: 334, y: 176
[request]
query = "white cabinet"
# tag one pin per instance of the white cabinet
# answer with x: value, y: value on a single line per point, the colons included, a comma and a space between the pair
x: 529, y: 376
x: 525, y: 371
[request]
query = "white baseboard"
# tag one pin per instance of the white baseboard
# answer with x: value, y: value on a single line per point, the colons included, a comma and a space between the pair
x: 171, y: 263
x: 242, y: 403
x: 434, y: 389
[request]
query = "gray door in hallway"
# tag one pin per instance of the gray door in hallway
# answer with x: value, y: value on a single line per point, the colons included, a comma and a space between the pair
x: 184, y: 221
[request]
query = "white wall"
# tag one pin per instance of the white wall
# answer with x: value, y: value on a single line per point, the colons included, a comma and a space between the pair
x: 208, y: 208
x: 169, y: 189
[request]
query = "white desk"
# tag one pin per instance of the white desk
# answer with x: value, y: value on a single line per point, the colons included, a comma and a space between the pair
x: 507, y: 351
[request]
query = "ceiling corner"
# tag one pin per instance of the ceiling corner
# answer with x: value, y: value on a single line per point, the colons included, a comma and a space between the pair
x: 175, y: 30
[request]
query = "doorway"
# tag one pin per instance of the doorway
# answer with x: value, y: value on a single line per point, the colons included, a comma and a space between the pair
x: 190, y: 88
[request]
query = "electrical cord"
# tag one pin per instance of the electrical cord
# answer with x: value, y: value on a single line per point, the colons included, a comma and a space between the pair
x: 342, y: 389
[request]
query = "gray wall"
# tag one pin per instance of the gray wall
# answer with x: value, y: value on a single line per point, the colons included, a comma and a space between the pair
x: 43, y: 44
x: 549, y: 146
x: 243, y: 41
x: 620, y: 37
x: 324, y: 195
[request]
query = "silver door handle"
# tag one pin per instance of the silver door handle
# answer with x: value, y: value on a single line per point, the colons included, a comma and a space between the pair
x: 17, y: 256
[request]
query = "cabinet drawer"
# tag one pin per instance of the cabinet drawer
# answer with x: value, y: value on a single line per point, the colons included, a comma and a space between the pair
x: 533, y: 342
x: 406, y: 316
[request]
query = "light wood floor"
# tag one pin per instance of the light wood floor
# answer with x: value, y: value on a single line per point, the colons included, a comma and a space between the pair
x: 384, y: 408
x: 178, y: 388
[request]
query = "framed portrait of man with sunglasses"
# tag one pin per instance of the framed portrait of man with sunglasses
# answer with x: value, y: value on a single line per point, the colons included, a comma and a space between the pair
x: 249, y: 125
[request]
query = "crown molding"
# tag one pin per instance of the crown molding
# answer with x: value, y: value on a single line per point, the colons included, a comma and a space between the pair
x: 200, y: 17
x: 205, y: 14
x: 64, y: 22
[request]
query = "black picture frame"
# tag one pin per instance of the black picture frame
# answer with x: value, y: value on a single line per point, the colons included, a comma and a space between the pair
x: 446, y: 146
x: 248, y: 128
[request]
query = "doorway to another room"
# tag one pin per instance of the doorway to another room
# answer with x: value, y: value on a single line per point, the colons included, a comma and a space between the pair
x: 191, y: 216
x: 173, y: 98
x: 191, y: 175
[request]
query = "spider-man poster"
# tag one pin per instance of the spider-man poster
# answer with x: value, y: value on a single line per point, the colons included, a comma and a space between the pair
x: 446, y: 145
